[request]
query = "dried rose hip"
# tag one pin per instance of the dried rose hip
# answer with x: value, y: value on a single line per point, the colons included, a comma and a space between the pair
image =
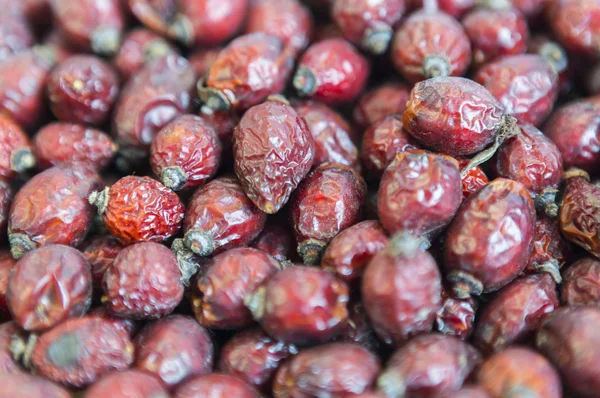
x: 60, y: 143
x: 328, y: 201
x: 174, y: 349
x: 366, y: 23
x: 15, y: 153
x: 246, y: 72
x: 94, y: 25
x: 569, y: 338
x: 331, y: 71
x: 473, y: 179
x: 456, y: 317
x: 49, y: 285
x: 300, y: 304
x: 430, y: 44
x: 575, y: 24
x: 202, y: 58
x: 526, y: 85
x: 581, y: 283
x: 332, y: 370
x: 15, y: 35
x: 519, y: 372
x: 52, y: 207
x: 276, y: 240
x: 100, y: 252
x: 218, y: 299
x: 143, y: 282
x: 216, y: 385
x: 490, y: 240
x: 401, y: 290
x: 254, y: 357
x: 269, y: 139
x: 550, y: 248
x: 24, y: 385
x: 580, y: 212
x: 408, y: 373
x: 156, y: 15
x: 219, y: 217
x: 6, y: 197
x: 377, y: 103
x: 127, y: 384
x: 6, y: 265
x: 419, y: 192
x: 139, y: 209
x: 9, y: 331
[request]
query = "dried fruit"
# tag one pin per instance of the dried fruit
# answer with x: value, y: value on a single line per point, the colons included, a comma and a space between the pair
x: 15, y: 151
x: 456, y: 317
x: 155, y: 15
x: 6, y: 265
x: 8, y: 332
x: 377, y: 103
x: 473, y: 179
x: 581, y: 283
x: 550, y: 248
x: 215, y: 385
x: 575, y: 24
x: 24, y: 385
x: 100, y: 251
x: 276, y: 240
x: 126, y: 383
x: 15, y: 35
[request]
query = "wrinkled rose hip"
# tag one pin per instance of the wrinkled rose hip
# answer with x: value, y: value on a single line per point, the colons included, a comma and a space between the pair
x: 575, y: 24
x: 15, y: 151
x: 15, y: 35
x: 473, y: 179
x: 100, y: 252
x: 379, y: 102
x: 581, y: 283
x: 277, y: 240
x: 550, y: 248
x: 215, y: 385
x: 456, y: 317
x: 124, y: 383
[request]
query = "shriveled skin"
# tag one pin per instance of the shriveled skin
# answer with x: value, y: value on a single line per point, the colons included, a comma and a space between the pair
x: 515, y: 313
x: 52, y: 207
x: 426, y: 34
x: 62, y: 143
x: 332, y: 370
x: 25, y: 385
x: 576, y: 23
x: 212, y: 21
x: 127, y: 384
x: 385, y: 100
x: 254, y: 357
x: 7, y: 262
x: 188, y: 142
x: 349, y: 253
x: 8, y: 332
x: 100, y: 252
x: 141, y: 209
x: 219, y: 292
x: 473, y: 179
x: 580, y: 214
x: 81, y: 350
x: 222, y: 210
x: 174, y: 349
x: 215, y: 385
x: 152, y: 98
x: 6, y: 197
x: 581, y: 283
x: 548, y: 244
x: 332, y: 134
x: 83, y: 89
x: 456, y: 317
x: 289, y: 20
x: 526, y: 85
x: 496, y: 33
x: 276, y: 240
x: 49, y: 285
x: 429, y: 364
x: 519, y: 370
x: 452, y: 115
x: 491, y: 236
x: 156, y: 15
x: 139, y: 47
x: 382, y: 142
x: 251, y: 68
x: 12, y: 140
x: 273, y: 151
x: 15, y: 35
x: 144, y: 282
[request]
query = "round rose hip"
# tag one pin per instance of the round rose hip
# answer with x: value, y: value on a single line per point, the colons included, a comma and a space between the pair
x: 575, y: 24
x: 25, y: 385
x: 100, y: 252
x: 377, y: 103
x: 15, y: 153
x: 581, y: 283
x: 473, y: 179
x: 125, y: 383
x: 129, y: 326
x: 216, y: 385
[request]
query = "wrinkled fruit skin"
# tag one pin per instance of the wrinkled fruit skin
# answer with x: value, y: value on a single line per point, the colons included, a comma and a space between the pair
x: 456, y: 317
x: 575, y: 23
x: 13, y: 144
x: 452, y: 115
x: 519, y: 371
x: 125, y: 383
x: 100, y: 251
x: 549, y: 245
x: 581, y: 283
x: 473, y: 180
x: 25, y: 385
x: 419, y: 192
x: 335, y: 370
x: 174, y: 349
x: 7, y: 262
x: 276, y: 240
x: 401, y: 290
x: 217, y: 386
x: 472, y: 250
x: 385, y: 100
x: 8, y: 364
x: 409, y: 370
x: 270, y: 169
x: 144, y: 282
x: 6, y: 197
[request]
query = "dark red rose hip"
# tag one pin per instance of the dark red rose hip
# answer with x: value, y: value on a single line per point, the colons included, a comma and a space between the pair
x: 379, y: 102
x: 215, y: 385
x: 576, y: 24
x: 15, y: 151
x: 456, y: 317
x: 24, y: 385
x: 277, y: 240
x: 124, y: 383
x: 473, y: 179
x: 550, y: 248
x: 100, y: 252
x: 581, y: 283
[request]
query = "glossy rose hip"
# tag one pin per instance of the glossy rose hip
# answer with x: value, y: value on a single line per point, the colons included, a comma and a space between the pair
x: 377, y: 103
x: 581, y: 283
x: 100, y: 252
x: 6, y: 196
x: 15, y: 151
x: 575, y: 23
x: 15, y: 35
x: 215, y: 385
x: 124, y: 383
x: 472, y: 180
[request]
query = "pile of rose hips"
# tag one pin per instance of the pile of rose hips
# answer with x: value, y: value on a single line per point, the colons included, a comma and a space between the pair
x: 285, y: 198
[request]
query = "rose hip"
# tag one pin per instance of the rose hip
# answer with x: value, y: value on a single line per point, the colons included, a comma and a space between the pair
x: 185, y: 153
x: 554, y: 54
x: 215, y: 385
x: 254, y: 357
x: 430, y: 44
x: 489, y: 242
x: 129, y: 326
x: 6, y: 197
x: 25, y: 385
x: 276, y: 240
x: 100, y: 251
x: 62, y: 144
x: 331, y: 71
x: 15, y: 35
x: 408, y: 373
x: 269, y: 138
x: 401, y: 290
x: 526, y: 85
x: 202, y: 58
x: 575, y: 24
x: 218, y: 298
x: 126, y: 383
x: 246, y: 72
x: 456, y: 317
x: 550, y: 248
x: 328, y: 201
x: 139, y: 209
x: 15, y: 152
x: 377, y: 103
x: 143, y: 282
x: 333, y: 370
x: 6, y: 265
x: 52, y: 207
x: 300, y: 305
x: 473, y: 179
x: 140, y: 47
x: 581, y: 283
x: 9, y: 331
x: 156, y: 15
x: 519, y: 372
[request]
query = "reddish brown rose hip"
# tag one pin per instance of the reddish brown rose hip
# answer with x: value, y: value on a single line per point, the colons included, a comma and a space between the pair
x: 100, y: 252
x: 331, y: 71
x: 473, y: 179
x: 15, y: 35
x: 300, y: 304
x: 276, y: 240
x: 408, y: 373
x: 401, y: 290
x: 139, y: 209
x: 219, y: 292
x: 456, y: 317
x: 7, y: 262
x: 269, y: 139
x: 581, y: 283
x: 127, y: 384
x: 489, y: 241
x: 377, y: 103
x: 576, y: 24
x: 15, y: 151
x: 550, y: 248
x: 60, y: 143
x: 333, y: 370
x: 328, y: 201
x: 9, y: 331
x: 24, y: 385
x: 50, y: 208
x: 429, y: 44
x: 215, y: 385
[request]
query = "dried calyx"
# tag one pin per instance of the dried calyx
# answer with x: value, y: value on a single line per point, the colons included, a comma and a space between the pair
x: 99, y: 199
x: 185, y: 260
